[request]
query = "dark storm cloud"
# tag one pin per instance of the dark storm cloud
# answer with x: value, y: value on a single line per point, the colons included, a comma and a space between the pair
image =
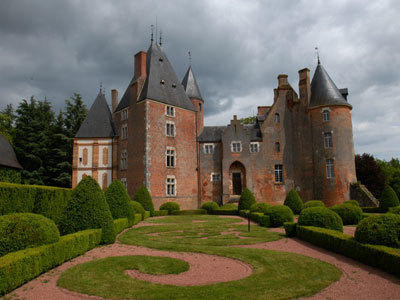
x: 55, y: 48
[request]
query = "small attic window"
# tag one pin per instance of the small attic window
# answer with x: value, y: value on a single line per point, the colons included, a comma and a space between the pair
x: 174, y: 85
x: 161, y: 59
x: 162, y: 81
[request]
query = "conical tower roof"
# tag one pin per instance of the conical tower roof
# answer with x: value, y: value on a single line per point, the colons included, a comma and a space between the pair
x: 7, y: 154
x: 98, y: 122
x: 324, y: 91
x: 162, y: 84
x: 190, y: 85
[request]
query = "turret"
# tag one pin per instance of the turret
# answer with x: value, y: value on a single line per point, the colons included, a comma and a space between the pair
x: 333, y: 151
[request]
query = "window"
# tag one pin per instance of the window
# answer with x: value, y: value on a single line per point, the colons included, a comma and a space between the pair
x: 123, y: 180
x: 171, y: 186
x: 277, y: 119
x: 199, y: 106
x: 326, y: 115
x: 215, y: 177
x: 278, y: 173
x: 328, y: 140
x: 170, y: 111
x: 124, y: 114
x: 208, y: 148
x: 277, y: 147
x: 170, y: 157
x: 330, y: 172
x: 124, y: 158
x: 254, y: 147
x: 124, y: 131
x: 170, y: 128
x: 236, y: 147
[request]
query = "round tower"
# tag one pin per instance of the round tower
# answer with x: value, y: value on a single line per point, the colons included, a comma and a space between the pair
x: 332, y: 138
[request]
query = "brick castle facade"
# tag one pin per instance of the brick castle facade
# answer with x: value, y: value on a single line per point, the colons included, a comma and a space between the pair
x: 155, y: 135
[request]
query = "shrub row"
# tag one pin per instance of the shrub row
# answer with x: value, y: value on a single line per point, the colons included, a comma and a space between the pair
x: 43, y: 200
x: 159, y: 213
x: 385, y: 258
x: 20, y: 267
x: 394, y: 210
x: 170, y: 207
x: 225, y: 212
x: 121, y: 224
x: 371, y: 209
x: 138, y: 218
x: 190, y: 212
x: 290, y: 228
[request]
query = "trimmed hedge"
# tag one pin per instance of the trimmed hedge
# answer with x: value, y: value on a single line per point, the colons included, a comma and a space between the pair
x: 246, y: 199
x: 225, y: 212
x: 159, y: 213
x: 294, y: 201
x: 22, y: 266
x: 320, y: 217
x: 137, y: 207
x: 23, y: 230
x: 349, y: 213
x: 190, y: 212
x: 371, y: 209
x: 313, y: 203
x: 121, y: 224
x: 290, y: 228
x: 256, y: 216
x: 244, y: 213
x: 394, y: 210
x: 379, y: 230
x: 260, y: 218
x: 170, y: 207
x: 138, y: 218
x: 88, y: 209
x: 210, y: 206
x: 259, y: 207
x: 265, y: 221
x: 279, y: 214
x: 43, y: 200
x: 10, y: 175
x: 142, y: 196
x: 388, y: 199
x: 352, y: 202
x: 146, y: 215
x: 229, y: 206
x: 385, y: 258
x: 118, y: 201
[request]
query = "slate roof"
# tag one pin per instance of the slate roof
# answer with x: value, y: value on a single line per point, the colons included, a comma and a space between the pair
x: 162, y: 83
x: 7, y: 154
x: 211, y: 134
x: 190, y: 85
x: 126, y: 98
x: 324, y: 91
x: 98, y: 122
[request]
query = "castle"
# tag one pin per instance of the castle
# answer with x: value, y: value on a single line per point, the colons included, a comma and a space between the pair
x: 155, y: 135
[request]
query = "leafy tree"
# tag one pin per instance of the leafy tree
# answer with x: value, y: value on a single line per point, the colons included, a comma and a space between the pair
x: 75, y: 113
x: 5, y: 127
x: 246, y: 199
x: 370, y: 174
x: 248, y: 120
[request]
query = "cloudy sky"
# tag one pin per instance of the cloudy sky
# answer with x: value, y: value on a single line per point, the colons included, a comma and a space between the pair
x: 55, y: 48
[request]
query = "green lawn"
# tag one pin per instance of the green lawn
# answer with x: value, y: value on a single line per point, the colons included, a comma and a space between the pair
x: 276, y: 275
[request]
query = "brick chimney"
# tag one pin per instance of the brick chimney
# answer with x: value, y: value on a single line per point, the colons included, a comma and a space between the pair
x: 114, y: 99
x: 140, y: 65
x: 282, y: 81
x: 304, y: 86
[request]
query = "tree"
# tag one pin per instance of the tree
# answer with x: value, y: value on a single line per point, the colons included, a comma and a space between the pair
x: 248, y: 120
x: 370, y: 174
x: 74, y: 115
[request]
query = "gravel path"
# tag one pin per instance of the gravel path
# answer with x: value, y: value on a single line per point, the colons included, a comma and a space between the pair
x: 358, y: 281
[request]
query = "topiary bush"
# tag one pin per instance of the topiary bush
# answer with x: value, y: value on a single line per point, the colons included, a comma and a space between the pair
x: 379, y: 230
x: 246, y: 199
x: 279, y: 214
x: 118, y: 201
x: 352, y: 202
x: 388, y: 199
x: 349, y: 213
x: 313, y: 203
x: 88, y: 209
x: 294, y: 201
x: 143, y: 197
x: 210, y: 206
x: 170, y: 206
x: 138, y: 208
x: 394, y: 210
x: 259, y: 207
x: 23, y: 230
x: 320, y: 217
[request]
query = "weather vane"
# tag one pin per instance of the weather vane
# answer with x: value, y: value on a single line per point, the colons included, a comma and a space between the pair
x: 190, y: 58
x: 317, y: 52
x: 101, y: 86
x: 160, y: 37
x: 152, y: 32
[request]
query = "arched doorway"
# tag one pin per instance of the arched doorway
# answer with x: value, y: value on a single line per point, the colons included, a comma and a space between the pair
x: 237, y: 175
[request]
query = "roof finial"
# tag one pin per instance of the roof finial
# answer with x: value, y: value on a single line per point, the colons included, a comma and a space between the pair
x: 101, y: 87
x: 152, y: 32
x: 160, y: 37
x: 317, y: 52
x: 104, y: 91
x: 190, y: 58
x: 156, y: 29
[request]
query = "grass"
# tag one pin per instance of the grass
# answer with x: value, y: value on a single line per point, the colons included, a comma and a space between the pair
x: 276, y: 275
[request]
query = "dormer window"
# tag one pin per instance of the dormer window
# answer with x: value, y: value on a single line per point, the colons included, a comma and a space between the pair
x: 161, y: 59
x: 162, y: 81
x: 277, y: 119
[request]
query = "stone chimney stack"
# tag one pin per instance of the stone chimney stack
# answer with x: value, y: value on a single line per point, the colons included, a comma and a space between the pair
x: 114, y: 99
x: 304, y: 86
x: 282, y: 81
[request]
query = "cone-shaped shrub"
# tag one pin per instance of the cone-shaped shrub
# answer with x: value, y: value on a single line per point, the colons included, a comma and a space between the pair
x: 170, y: 206
x: 88, y: 209
x: 259, y: 207
x: 388, y: 199
x: 210, y: 206
x: 143, y: 197
x: 118, y: 200
x: 246, y: 199
x: 379, y: 230
x: 320, y: 217
x: 22, y: 230
x: 294, y: 201
x: 138, y: 208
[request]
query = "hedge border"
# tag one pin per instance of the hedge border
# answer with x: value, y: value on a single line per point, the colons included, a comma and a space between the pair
x: 382, y: 257
x: 159, y: 213
x: 225, y: 212
x: 120, y: 224
x: 199, y: 211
